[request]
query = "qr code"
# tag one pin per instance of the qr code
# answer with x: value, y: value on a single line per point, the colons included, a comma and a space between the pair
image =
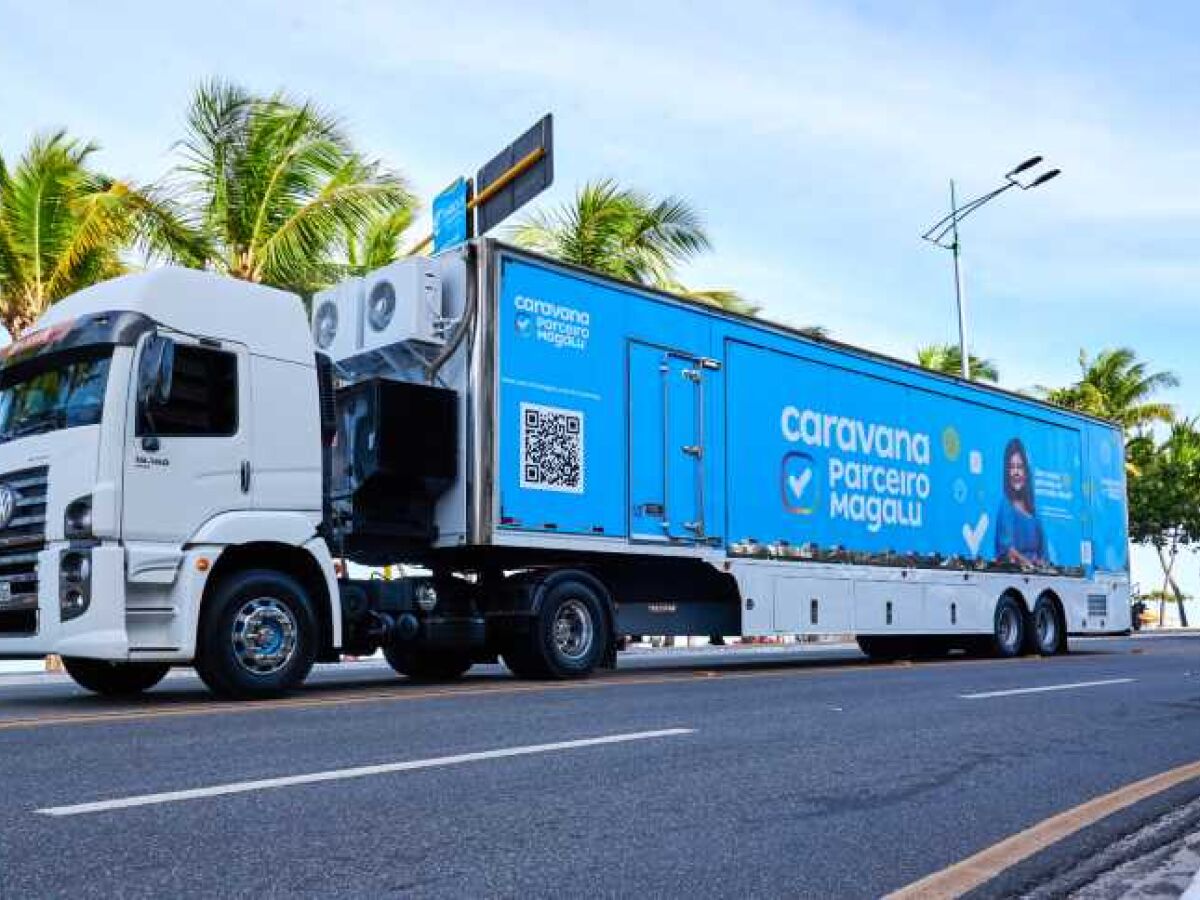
x: 551, y: 449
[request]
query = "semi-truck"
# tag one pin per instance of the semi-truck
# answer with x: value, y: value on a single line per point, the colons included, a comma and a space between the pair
x: 558, y: 460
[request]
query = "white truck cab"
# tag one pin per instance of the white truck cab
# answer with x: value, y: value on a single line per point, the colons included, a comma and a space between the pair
x: 158, y: 432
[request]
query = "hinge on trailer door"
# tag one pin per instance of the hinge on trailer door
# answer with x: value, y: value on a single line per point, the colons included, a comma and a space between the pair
x: 693, y: 450
x: 691, y: 374
x: 710, y: 363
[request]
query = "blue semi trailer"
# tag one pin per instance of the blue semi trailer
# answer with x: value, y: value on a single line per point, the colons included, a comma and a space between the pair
x: 571, y: 459
x: 632, y: 462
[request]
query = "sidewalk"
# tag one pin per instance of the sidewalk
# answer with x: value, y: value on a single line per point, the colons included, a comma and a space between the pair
x: 1159, y: 861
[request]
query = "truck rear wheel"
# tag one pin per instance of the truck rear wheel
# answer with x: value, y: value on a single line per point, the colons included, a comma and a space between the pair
x: 1048, y: 636
x: 566, y: 637
x: 425, y: 664
x: 258, y: 636
x: 1009, y: 628
x: 114, y: 679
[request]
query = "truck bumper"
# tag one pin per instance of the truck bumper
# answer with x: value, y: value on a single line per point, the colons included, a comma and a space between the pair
x: 29, y: 631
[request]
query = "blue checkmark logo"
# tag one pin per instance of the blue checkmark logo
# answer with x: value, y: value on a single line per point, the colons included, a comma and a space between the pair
x: 798, y: 484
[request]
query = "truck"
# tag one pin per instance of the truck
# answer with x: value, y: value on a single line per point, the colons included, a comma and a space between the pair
x: 190, y: 463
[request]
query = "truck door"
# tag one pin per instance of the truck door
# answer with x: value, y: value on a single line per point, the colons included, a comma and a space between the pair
x: 190, y: 460
x: 666, y: 445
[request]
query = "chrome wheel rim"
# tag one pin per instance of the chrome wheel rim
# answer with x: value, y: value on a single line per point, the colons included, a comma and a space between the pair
x: 572, y: 630
x: 264, y: 635
x: 1009, y: 628
x: 1047, y: 628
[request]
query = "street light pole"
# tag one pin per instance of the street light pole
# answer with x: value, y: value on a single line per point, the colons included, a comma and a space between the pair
x: 960, y: 297
x: 947, y: 227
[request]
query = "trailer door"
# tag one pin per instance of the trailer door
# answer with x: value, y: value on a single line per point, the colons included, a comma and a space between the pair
x: 666, y: 445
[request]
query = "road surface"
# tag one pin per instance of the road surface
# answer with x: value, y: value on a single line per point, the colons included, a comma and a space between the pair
x: 736, y: 773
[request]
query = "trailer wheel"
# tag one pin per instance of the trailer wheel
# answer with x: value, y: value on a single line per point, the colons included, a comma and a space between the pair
x: 258, y: 636
x: 1009, y: 628
x: 423, y: 664
x: 114, y: 679
x: 566, y: 638
x: 1048, y: 635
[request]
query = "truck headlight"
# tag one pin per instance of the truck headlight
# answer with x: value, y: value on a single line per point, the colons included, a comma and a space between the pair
x: 74, y: 583
x: 77, y: 520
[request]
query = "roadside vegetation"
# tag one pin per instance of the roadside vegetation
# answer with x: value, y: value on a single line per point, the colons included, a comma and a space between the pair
x: 272, y: 189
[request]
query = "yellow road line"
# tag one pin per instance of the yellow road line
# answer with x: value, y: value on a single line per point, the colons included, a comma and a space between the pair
x: 976, y: 870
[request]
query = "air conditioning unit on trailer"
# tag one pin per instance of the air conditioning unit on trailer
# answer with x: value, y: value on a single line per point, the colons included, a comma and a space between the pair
x: 337, y: 319
x: 403, y: 303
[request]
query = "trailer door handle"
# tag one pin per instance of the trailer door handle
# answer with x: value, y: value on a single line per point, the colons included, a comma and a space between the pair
x: 245, y: 476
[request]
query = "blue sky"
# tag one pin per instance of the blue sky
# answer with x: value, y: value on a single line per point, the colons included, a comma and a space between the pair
x: 816, y: 138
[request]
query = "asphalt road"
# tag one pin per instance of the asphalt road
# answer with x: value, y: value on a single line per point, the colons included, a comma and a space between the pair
x: 760, y: 774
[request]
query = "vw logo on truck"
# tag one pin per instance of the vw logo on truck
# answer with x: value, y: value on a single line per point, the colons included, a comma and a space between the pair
x: 8, y: 505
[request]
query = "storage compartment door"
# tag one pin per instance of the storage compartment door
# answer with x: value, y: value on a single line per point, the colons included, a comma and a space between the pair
x: 666, y: 445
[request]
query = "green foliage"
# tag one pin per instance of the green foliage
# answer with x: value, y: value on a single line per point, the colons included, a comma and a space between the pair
x: 627, y: 234
x: 278, y: 186
x: 618, y: 231
x: 378, y: 242
x: 63, y: 227
x: 1164, y: 496
x: 947, y: 359
x: 1117, y: 386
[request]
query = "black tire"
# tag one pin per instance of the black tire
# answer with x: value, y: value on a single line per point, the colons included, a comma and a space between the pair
x: 425, y: 664
x: 568, y: 636
x: 1047, y: 633
x: 114, y: 679
x: 1010, y: 628
x: 239, y: 662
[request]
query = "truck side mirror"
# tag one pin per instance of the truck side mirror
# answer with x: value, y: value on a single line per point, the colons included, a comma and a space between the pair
x: 156, y: 371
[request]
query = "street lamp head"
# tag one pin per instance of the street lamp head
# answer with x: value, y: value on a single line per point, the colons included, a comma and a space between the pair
x: 1028, y: 164
x: 1046, y: 176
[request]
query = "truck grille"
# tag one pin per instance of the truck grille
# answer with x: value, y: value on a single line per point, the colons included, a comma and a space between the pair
x: 20, y: 542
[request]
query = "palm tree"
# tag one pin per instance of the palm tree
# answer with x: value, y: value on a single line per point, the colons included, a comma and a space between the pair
x: 947, y: 358
x: 627, y: 234
x: 278, y: 186
x: 1116, y: 385
x: 64, y: 226
x: 618, y: 231
x: 377, y: 242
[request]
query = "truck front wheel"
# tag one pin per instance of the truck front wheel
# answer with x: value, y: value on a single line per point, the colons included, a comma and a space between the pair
x: 258, y: 636
x: 114, y: 679
x: 566, y: 637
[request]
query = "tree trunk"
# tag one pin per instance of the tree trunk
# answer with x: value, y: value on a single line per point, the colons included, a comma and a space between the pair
x: 1168, y: 566
x: 1179, y: 598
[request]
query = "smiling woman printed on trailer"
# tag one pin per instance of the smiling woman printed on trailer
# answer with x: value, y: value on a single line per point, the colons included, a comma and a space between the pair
x: 1019, y: 537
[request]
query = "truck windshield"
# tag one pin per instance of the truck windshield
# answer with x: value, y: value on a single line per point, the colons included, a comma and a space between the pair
x: 56, y: 391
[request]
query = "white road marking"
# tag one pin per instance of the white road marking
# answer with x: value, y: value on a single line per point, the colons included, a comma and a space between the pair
x: 1044, y: 688
x: 242, y: 787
